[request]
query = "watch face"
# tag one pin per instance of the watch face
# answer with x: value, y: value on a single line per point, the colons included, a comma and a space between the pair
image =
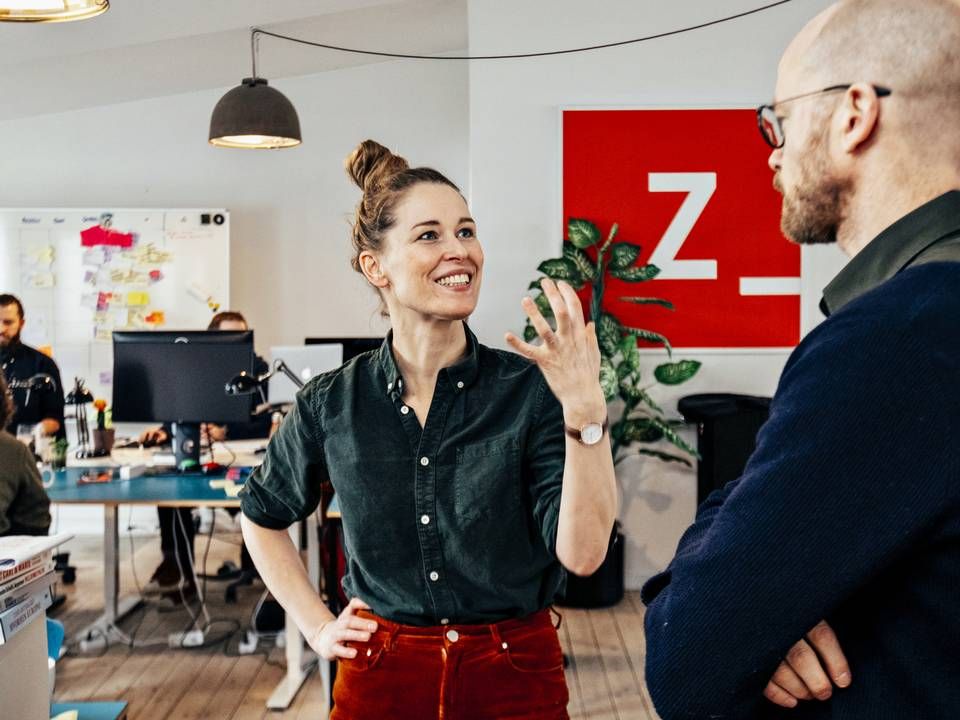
x: 591, y: 434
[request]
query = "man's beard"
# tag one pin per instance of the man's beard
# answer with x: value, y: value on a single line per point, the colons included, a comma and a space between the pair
x: 814, y: 208
x: 6, y: 342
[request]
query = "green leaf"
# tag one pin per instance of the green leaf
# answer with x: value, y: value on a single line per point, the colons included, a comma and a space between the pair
x: 628, y: 348
x: 638, y: 430
x: 608, y: 379
x: 666, y: 457
x: 561, y: 269
x: 650, y: 336
x: 623, y: 370
x: 582, y: 261
x: 534, y: 285
x: 676, y: 373
x: 543, y: 305
x: 636, y: 274
x: 670, y: 434
x: 648, y: 301
x: 582, y: 233
x: 623, y: 255
x: 608, y: 334
x: 529, y: 332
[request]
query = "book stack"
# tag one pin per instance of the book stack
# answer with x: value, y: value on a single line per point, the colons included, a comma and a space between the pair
x: 26, y: 579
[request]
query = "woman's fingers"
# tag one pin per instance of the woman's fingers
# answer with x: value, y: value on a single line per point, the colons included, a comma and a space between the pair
x: 539, y: 322
x: 561, y: 312
x: 359, y: 623
x: 524, y: 348
x: 345, y: 635
x: 342, y: 651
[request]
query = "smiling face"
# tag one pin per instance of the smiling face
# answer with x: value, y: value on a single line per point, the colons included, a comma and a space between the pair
x: 431, y: 262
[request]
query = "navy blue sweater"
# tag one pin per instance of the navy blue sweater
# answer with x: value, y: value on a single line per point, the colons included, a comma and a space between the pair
x: 849, y: 511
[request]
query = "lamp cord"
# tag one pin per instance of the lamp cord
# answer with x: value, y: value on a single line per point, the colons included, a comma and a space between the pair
x: 254, y: 32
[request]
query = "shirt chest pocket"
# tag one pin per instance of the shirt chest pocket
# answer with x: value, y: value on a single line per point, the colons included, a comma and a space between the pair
x: 487, y: 479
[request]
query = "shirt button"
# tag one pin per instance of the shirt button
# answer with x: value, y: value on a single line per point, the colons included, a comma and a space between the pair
x: 434, y: 576
x: 389, y: 387
x: 460, y: 384
x: 453, y: 635
x: 425, y: 519
x: 424, y: 461
x: 444, y: 621
x: 404, y: 409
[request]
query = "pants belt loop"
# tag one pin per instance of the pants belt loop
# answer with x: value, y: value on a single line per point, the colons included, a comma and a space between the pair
x: 559, y: 617
x: 392, y: 638
x: 497, y: 639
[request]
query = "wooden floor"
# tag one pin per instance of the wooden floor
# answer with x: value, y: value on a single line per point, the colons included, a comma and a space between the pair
x: 605, y: 647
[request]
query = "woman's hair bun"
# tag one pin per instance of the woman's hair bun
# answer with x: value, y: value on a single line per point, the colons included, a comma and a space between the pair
x: 370, y: 165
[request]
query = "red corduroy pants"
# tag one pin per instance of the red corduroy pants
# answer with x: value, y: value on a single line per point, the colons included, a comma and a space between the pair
x: 511, y: 669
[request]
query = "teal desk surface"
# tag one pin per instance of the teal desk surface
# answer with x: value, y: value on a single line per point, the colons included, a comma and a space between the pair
x: 92, y: 710
x: 171, y: 490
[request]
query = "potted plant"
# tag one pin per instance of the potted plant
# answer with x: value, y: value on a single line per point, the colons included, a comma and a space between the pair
x: 588, y: 265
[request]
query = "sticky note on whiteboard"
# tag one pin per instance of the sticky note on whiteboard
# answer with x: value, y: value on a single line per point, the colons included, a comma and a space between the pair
x: 137, y: 299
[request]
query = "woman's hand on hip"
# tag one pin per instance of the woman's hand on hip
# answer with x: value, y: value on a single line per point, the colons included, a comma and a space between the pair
x: 330, y: 640
x: 569, y: 357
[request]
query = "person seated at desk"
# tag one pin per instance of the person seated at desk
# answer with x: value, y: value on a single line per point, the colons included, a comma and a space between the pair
x: 177, y: 530
x: 21, y: 362
x: 24, y: 505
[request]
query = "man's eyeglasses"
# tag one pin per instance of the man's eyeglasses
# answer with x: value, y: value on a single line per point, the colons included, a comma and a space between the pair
x: 770, y: 124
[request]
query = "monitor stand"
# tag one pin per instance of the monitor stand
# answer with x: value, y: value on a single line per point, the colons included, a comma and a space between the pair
x: 186, y: 446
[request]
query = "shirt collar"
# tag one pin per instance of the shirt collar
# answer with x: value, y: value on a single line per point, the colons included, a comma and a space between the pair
x: 464, y: 371
x: 893, y: 250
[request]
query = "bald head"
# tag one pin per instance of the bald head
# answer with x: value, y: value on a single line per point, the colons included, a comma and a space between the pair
x: 909, y: 46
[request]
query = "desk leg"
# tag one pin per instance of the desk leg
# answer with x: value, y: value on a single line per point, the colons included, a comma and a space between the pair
x: 114, y: 609
x: 296, y: 653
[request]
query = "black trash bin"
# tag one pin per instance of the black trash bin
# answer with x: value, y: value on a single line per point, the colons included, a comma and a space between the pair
x: 727, y: 426
x: 602, y: 589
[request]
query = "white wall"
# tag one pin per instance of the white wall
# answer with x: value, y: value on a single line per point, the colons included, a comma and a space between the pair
x: 290, y: 248
x: 515, y: 167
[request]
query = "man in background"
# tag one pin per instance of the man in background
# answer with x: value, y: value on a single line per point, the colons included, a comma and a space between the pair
x: 177, y: 529
x: 20, y: 362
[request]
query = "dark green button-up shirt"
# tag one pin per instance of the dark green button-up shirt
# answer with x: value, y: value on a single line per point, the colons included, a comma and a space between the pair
x: 453, y: 522
x: 931, y: 233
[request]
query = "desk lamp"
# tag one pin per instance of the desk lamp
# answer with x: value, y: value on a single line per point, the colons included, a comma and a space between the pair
x: 78, y: 397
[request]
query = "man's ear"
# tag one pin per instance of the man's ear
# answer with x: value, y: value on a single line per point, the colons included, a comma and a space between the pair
x: 372, y: 269
x: 859, y: 115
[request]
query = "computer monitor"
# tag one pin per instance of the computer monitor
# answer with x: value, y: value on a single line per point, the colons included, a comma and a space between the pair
x: 352, y: 346
x: 180, y: 377
x: 304, y: 361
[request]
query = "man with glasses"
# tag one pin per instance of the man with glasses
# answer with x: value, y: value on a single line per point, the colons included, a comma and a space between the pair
x: 823, y: 583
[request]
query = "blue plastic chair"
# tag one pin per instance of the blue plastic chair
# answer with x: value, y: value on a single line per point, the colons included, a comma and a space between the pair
x: 55, y: 634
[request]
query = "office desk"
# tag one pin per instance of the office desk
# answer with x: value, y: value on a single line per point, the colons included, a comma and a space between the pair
x: 172, y: 490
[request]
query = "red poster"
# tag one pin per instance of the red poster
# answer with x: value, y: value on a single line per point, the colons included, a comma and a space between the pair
x: 693, y: 188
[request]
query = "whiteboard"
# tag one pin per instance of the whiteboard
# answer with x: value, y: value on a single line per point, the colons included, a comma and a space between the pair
x: 173, y: 275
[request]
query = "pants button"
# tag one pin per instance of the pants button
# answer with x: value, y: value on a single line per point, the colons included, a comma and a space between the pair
x: 453, y: 635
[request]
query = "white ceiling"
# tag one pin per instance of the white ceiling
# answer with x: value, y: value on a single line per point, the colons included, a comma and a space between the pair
x: 149, y: 48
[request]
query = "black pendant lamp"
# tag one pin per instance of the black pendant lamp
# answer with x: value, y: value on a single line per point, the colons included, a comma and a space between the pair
x: 254, y: 115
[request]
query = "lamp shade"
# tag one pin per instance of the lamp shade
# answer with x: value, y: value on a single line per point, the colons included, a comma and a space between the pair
x: 50, y: 10
x: 254, y: 115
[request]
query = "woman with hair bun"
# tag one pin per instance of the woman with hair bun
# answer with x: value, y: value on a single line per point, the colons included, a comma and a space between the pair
x: 468, y: 477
